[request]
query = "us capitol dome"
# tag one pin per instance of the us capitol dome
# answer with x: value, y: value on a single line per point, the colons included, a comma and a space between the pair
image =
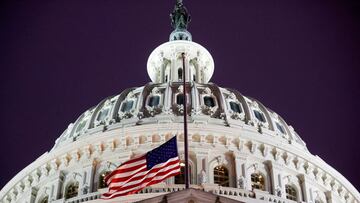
x: 239, y: 150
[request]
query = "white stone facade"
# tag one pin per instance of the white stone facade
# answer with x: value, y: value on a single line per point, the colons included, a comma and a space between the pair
x: 225, y: 129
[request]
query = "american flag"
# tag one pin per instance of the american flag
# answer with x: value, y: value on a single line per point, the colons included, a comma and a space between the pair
x: 137, y: 173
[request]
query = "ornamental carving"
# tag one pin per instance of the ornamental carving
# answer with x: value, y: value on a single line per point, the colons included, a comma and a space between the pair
x: 241, y: 182
x: 231, y: 96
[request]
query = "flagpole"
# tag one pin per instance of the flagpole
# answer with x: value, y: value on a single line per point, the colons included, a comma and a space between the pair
x: 185, y: 126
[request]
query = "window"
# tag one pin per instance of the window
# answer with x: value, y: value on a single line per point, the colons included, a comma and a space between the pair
x: 72, y: 190
x: 180, y: 99
x: 127, y: 106
x: 44, y: 200
x: 81, y: 125
x: 102, y: 114
x: 166, y: 78
x: 154, y: 101
x: 194, y: 78
x: 290, y: 192
x: 235, y: 107
x: 260, y: 116
x: 221, y: 176
x: 102, y: 183
x: 180, y: 178
x: 209, y: 101
x: 280, y: 128
x: 180, y: 75
x: 257, y: 181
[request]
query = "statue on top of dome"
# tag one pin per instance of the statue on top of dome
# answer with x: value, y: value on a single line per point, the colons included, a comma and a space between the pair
x: 180, y: 18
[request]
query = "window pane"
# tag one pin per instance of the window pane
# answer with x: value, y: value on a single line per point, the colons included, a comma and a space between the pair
x: 180, y: 99
x: 221, y: 176
x: 72, y: 190
x: 102, y: 115
x: 180, y: 74
x: 154, y: 101
x: 290, y: 193
x: 257, y: 181
x: 127, y: 106
x: 81, y: 125
x: 260, y: 116
x: 180, y: 178
x: 209, y: 101
x: 235, y: 107
x: 102, y: 183
x: 280, y: 128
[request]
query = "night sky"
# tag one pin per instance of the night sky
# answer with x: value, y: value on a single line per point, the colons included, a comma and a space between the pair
x: 299, y: 58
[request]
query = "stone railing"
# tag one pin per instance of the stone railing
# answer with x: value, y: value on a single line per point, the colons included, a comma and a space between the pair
x: 262, y: 195
x: 81, y: 198
x: 213, y: 188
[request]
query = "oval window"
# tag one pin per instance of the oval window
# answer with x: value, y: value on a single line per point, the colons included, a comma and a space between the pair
x: 102, y: 115
x: 154, y: 101
x: 260, y: 116
x: 127, y: 106
x: 209, y: 101
x: 235, y: 107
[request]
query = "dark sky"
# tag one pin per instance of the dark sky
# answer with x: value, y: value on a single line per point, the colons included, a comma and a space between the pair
x: 299, y: 58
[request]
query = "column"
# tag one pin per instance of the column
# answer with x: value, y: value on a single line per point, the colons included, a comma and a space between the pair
x: 240, y: 171
x: 276, y: 179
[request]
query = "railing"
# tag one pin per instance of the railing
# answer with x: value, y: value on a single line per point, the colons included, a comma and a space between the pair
x: 262, y: 195
x: 83, y: 198
x: 212, y: 188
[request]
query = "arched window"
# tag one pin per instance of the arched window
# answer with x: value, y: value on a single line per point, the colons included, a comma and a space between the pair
x: 180, y: 179
x: 180, y: 99
x: 72, y: 190
x: 257, y: 181
x: 221, y: 176
x: 180, y: 75
x: 44, y: 200
x: 290, y: 192
x: 102, y: 183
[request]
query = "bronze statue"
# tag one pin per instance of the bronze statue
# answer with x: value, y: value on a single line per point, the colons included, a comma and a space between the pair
x: 180, y: 18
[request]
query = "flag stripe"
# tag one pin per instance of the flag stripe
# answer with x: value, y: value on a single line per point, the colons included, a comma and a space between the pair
x: 142, y: 171
x: 132, y: 190
x: 138, y: 169
x: 138, y: 179
x: 163, y: 173
x: 125, y: 167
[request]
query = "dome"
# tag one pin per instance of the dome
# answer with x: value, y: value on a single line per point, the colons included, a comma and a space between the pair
x: 156, y: 103
x: 239, y: 150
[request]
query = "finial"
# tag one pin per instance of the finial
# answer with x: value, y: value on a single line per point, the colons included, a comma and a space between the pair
x: 180, y: 19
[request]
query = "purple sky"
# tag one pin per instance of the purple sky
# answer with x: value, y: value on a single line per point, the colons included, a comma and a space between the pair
x: 299, y: 58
